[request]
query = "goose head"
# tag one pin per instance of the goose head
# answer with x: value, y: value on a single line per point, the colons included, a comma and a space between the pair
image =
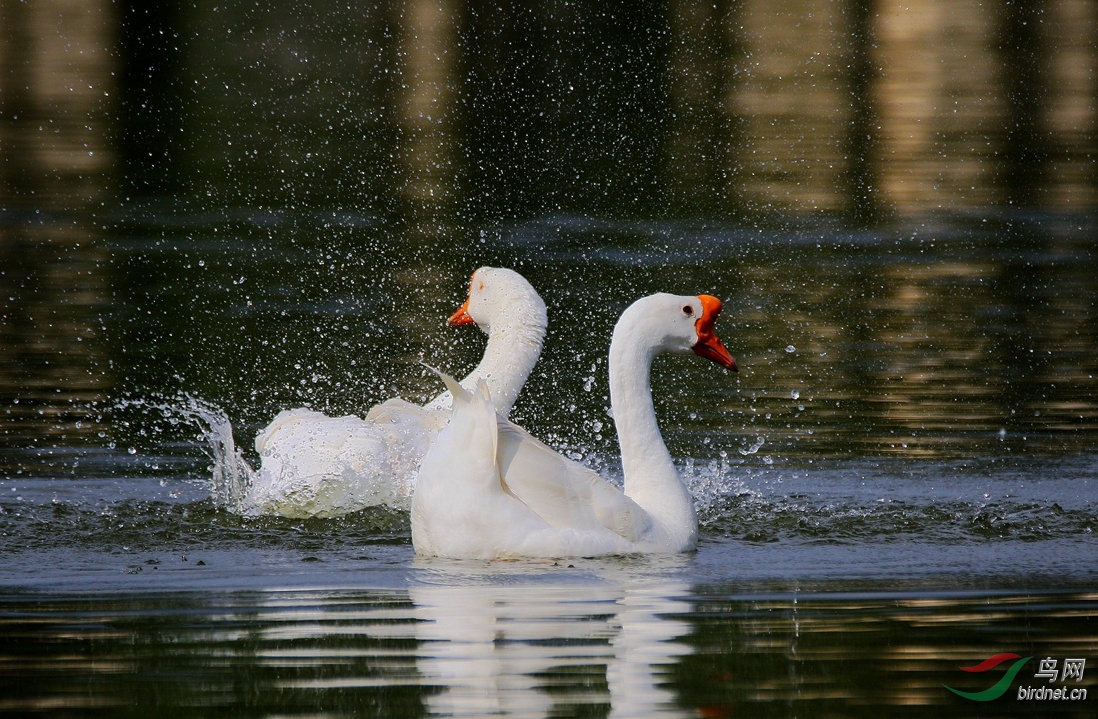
x: 500, y: 297
x: 679, y: 324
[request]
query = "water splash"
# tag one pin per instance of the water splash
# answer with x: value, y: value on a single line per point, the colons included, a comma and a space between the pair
x: 714, y: 485
x: 230, y: 474
x: 754, y: 447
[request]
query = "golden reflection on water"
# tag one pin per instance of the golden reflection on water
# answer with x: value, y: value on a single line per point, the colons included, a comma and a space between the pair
x: 911, y: 106
x: 940, y: 347
x: 426, y: 98
x: 761, y: 106
x: 56, y: 360
x: 830, y: 652
x: 521, y: 643
x: 57, y: 96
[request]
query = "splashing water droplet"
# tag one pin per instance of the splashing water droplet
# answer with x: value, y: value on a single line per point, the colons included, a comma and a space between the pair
x: 790, y: 349
x: 231, y: 475
x: 759, y: 441
x: 795, y: 394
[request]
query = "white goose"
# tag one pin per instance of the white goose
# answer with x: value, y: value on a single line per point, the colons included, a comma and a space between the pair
x: 315, y: 465
x: 488, y: 489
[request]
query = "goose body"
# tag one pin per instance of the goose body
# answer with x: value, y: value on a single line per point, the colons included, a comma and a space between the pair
x: 488, y: 489
x: 316, y: 465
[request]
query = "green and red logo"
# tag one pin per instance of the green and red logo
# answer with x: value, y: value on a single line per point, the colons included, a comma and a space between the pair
x: 1000, y: 687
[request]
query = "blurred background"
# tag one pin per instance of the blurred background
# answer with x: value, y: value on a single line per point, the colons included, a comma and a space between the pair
x: 276, y: 203
x: 860, y: 108
x: 221, y: 209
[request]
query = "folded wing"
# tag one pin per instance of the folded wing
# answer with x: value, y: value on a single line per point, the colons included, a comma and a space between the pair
x: 565, y: 494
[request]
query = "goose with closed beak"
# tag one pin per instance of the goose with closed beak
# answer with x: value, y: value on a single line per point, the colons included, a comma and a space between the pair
x: 488, y: 489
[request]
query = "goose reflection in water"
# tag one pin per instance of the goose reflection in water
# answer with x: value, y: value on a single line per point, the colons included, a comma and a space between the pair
x: 493, y: 645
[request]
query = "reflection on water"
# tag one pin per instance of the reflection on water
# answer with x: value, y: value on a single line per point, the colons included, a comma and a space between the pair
x: 426, y: 99
x: 955, y: 341
x: 818, y: 655
x: 519, y: 650
x: 459, y: 110
x: 56, y: 363
x: 292, y: 144
x: 273, y: 205
x: 685, y: 108
x: 536, y: 642
x: 57, y: 91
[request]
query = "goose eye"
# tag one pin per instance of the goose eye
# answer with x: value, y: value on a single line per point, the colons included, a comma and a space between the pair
x: 687, y: 310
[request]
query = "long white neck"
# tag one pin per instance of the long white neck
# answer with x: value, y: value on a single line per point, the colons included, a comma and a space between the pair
x: 650, y: 476
x: 514, y: 345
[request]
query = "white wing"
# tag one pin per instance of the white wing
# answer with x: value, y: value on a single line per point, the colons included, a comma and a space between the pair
x: 488, y: 489
x: 565, y: 494
x: 315, y: 465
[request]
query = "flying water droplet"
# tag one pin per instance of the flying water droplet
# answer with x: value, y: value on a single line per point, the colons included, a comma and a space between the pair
x: 759, y: 441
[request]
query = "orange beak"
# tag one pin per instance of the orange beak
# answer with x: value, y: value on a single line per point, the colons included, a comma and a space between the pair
x: 709, y: 345
x: 461, y: 317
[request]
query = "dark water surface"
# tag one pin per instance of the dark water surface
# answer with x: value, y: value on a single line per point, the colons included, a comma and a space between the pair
x: 900, y: 481
x: 213, y: 212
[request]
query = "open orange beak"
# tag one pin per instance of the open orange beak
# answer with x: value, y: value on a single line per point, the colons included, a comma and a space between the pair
x: 461, y: 317
x: 709, y: 345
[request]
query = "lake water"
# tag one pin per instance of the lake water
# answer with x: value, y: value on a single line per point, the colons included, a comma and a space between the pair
x: 210, y: 214
x: 900, y: 480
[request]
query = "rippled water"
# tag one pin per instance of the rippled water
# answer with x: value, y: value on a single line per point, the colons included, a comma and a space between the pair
x: 607, y: 643
x: 900, y: 481
x: 849, y: 594
x: 213, y: 212
x: 866, y: 521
